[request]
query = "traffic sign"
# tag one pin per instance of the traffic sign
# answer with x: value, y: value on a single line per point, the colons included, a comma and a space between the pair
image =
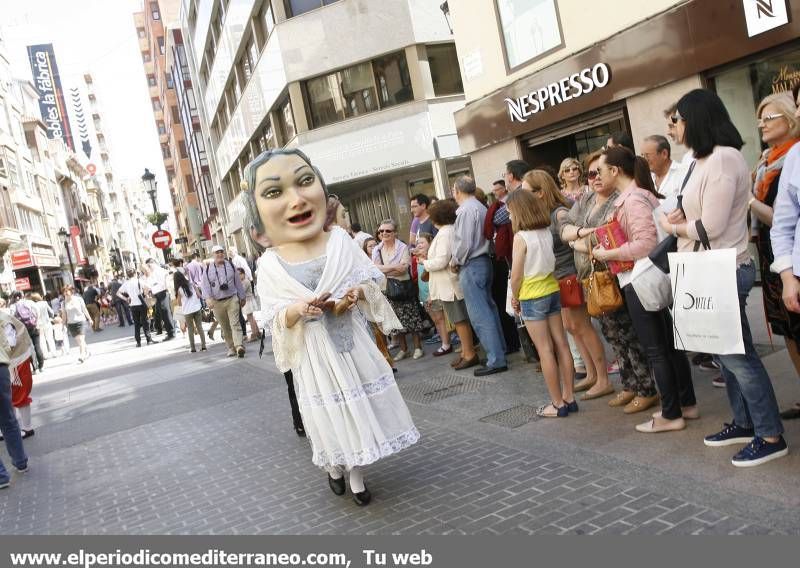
x: 162, y: 239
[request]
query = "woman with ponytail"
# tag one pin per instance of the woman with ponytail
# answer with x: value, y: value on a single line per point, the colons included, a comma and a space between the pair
x: 637, y: 200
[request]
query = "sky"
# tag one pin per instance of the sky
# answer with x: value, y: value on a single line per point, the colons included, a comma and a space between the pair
x: 97, y: 36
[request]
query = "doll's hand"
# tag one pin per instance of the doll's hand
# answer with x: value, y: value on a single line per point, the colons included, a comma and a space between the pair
x: 349, y: 301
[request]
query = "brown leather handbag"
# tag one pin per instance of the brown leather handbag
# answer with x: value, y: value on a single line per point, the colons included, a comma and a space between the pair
x: 602, y: 292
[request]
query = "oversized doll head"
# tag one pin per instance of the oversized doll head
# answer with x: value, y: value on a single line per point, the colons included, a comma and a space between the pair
x: 286, y: 198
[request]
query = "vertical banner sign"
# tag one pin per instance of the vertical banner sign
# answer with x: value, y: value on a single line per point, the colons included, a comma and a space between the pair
x: 51, y: 95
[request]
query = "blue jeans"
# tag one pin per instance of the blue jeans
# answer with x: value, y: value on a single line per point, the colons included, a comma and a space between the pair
x: 749, y: 388
x: 9, y: 426
x: 476, y: 281
x: 539, y: 309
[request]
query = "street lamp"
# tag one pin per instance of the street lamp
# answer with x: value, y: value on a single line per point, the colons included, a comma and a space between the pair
x: 149, y: 181
x: 62, y: 232
x: 445, y: 8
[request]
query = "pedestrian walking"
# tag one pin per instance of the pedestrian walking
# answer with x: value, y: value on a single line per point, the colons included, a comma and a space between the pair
x: 133, y: 292
x: 120, y: 305
x: 249, y: 307
x: 328, y: 354
x: 27, y: 312
x: 15, y: 344
x: 225, y: 295
x: 91, y: 297
x: 76, y: 316
x: 470, y: 257
x: 157, y: 283
x: 191, y: 308
x: 44, y: 324
x: 716, y: 198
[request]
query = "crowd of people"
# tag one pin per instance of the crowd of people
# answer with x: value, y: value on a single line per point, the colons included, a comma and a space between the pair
x: 481, y: 277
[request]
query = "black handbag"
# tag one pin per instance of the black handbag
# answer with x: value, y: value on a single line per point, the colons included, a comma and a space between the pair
x: 660, y: 254
x: 400, y: 290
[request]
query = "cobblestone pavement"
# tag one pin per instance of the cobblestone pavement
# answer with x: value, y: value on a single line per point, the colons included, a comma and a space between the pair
x: 160, y: 441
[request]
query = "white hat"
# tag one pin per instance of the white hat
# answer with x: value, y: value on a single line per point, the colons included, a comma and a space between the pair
x: 217, y: 248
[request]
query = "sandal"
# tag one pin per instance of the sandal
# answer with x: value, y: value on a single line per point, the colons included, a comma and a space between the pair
x: 442, y: 351
x: 556, y: 412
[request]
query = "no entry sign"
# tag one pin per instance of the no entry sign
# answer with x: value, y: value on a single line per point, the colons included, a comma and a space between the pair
x: 162, y: 239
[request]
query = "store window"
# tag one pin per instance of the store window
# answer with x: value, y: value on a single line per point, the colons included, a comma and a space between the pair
x: 392, y: 79
x: 286, y: 121
x: 154, y: 10
x: 161, y: 47
x: 151, y: 79
x: 742, y: 89
x: 141, y: 32
x: 445, y: 72
x: 297, y: 7
x: 530, y: 29
x: 324, y: 101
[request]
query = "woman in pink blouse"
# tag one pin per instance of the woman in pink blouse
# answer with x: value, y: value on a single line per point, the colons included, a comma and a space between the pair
x: 634, y: 211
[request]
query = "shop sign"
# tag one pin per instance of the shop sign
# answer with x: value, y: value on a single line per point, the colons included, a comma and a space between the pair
x: 22, y: 284
x: 764, y: 15
x: 785, y: 79
x: 559, y: 92
x: 21, y: 259
x: 51, y: 96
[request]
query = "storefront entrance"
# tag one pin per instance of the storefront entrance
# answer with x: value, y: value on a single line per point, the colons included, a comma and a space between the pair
x: 576, y: 139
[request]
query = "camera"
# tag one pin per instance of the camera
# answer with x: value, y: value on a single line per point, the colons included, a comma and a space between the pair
x: 223, y: 287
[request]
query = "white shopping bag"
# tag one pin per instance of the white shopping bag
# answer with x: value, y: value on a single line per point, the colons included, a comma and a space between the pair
x: 705, y: 311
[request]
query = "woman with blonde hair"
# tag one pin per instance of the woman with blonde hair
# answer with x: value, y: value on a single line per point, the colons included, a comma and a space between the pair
x: 780, y: 130
x: 570, y: 176
x: 576, y: 319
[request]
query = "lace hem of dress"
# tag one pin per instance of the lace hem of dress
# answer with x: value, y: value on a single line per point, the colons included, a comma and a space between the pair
x: 366, y: 456
x: 356, y: 393
x: 359, y: 275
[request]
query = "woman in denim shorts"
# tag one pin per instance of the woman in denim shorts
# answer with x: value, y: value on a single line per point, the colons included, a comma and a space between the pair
x: 536, y: 298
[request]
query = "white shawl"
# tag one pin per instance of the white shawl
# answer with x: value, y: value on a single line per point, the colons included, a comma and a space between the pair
x: 346, y: 266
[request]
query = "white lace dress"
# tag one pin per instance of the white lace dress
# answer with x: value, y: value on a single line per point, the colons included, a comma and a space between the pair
x: 352, y: 409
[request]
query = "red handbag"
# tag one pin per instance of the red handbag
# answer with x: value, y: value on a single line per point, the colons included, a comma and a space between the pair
x: 571, y: 291
x: 611, y: 236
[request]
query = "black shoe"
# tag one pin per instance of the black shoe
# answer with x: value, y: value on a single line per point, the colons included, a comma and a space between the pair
x: 151, y: 341
x: 336, y: 485
x: 27, y: 433
x: 362, y: 499
x: 240, y: 351
x: 168, y: 337
x: 192, y: 350
x: 483, y: 371
x: 138, y: 345
x: 121, y: 325
x: 791, y: 413
x: 572, y: 406
x: 300, y: 430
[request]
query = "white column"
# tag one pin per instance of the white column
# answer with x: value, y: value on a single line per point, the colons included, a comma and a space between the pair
x: 440, y: 181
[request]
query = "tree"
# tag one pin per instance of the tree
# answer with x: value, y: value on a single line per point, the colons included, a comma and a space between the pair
x: 157, y: 219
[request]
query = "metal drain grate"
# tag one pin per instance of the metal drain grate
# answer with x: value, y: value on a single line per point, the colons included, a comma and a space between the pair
x: 439, y: 388
x: 512, y: 417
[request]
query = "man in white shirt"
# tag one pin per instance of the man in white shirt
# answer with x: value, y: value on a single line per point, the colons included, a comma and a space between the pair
x: 359, y: 236
x: 667, y: 174
x: 240, y: 262
x: 157, y: 281
x: 133, y: 291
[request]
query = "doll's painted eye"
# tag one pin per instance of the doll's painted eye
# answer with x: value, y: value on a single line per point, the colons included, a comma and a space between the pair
x: 270, y: 193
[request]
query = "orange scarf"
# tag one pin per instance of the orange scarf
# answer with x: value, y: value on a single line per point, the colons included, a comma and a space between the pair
x: 775, y: 154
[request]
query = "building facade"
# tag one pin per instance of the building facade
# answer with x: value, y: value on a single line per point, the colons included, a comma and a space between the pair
x: 154, y: 25
x: 366, y: 89
x: 552, y: 79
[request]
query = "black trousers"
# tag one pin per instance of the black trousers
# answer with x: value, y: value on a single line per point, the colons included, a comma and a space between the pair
x: 670, y: 367
x: 499, y: 292
x: 297, y: 420
x: 163, y: 314
x: 37, y: 347
x: 140, y: 323
x: 123, y: 313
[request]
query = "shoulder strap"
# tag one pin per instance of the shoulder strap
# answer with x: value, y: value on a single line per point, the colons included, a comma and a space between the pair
x: 683, y: 184
x: 701, y: 232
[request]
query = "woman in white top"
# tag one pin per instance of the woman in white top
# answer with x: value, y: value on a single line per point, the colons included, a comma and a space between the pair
x: 249, y: 305
x: 192, y: 309
x: 75, y: 314
x: 443, y: 283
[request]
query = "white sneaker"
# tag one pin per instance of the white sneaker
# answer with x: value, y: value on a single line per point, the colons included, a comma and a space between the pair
x: 418, y: 354
x: 400, y: 355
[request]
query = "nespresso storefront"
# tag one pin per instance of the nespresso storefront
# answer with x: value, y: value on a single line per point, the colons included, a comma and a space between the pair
x: 625, y: 83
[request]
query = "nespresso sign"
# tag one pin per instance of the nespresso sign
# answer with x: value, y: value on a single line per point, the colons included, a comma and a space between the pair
x: 559, y: 92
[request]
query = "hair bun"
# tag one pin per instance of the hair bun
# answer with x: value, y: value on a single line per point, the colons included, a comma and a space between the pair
x: 243, y: 185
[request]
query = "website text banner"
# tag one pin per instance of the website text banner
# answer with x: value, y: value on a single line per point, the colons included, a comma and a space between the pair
x: 395, y: 551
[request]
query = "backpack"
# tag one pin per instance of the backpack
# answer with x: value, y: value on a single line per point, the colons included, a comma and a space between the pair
x: 26, y: 315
